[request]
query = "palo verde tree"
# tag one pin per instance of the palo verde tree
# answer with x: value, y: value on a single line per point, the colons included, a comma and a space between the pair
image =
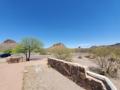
x: 29, y: 45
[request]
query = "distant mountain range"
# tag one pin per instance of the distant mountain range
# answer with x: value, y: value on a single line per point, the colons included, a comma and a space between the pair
x: 8, y: 44
x: 114, y: 45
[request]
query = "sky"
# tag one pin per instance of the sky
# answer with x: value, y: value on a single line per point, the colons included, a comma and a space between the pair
x: 73, y: 22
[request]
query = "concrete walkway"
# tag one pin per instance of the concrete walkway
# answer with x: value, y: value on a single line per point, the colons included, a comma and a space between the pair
x: 42, y: 77
x: 11, y: 77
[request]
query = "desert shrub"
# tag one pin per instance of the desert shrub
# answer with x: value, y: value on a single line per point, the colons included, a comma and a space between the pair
x: 90, y: 56
x: 109, y: 65
x: 108, y: 60
x: 80, y: 57
x: 18, y: 49
x: 9, y: 51
x: 77, y: 50
x: 96, y: 70
x: 41, y: 51
x: 81, y: 50
x: 62, y: 53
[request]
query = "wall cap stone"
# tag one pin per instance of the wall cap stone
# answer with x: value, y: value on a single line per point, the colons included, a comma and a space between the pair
x: 103, y: 80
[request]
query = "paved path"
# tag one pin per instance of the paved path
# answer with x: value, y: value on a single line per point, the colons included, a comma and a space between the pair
x: 42, y: 77
x: 11, y: 77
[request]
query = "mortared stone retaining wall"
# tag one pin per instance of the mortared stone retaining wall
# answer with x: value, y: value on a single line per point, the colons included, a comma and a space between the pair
x: 81, y: 76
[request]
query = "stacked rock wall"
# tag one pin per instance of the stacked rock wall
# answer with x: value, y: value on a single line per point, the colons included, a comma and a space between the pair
x: 79, y: 75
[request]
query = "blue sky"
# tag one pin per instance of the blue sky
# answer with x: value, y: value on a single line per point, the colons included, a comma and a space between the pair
x: 73, y: 22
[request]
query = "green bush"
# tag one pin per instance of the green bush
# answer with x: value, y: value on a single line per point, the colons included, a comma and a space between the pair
x: 41, y: 51
x: 62, y: 53
x: 9, y: 51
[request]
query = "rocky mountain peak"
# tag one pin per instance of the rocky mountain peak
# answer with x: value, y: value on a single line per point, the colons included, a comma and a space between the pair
x: 9, y: 41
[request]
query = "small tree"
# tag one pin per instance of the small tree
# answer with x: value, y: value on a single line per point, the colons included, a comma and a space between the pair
x: 27, y: 46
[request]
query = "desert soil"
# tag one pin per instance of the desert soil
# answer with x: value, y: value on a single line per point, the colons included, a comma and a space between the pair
x: 91, y: 63
x: 11, y: 75
x: 44, y: 78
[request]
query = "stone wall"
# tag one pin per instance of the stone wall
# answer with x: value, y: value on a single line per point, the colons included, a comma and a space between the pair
x: 80, y: 75
x: 14, y: 59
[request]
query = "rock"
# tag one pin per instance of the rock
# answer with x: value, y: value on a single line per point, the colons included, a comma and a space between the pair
x: 8, y: 44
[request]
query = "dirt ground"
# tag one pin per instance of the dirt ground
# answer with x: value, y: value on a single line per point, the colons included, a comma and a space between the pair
x: 11, y: 75
x: 44, y: 78
x: 91, y: 63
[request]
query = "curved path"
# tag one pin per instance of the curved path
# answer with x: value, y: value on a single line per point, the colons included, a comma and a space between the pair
x: 11, y: 77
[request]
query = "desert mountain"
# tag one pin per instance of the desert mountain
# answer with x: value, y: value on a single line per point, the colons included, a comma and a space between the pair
x: 117, y: 45
x: 58, y: 45
x: 8, y: 44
